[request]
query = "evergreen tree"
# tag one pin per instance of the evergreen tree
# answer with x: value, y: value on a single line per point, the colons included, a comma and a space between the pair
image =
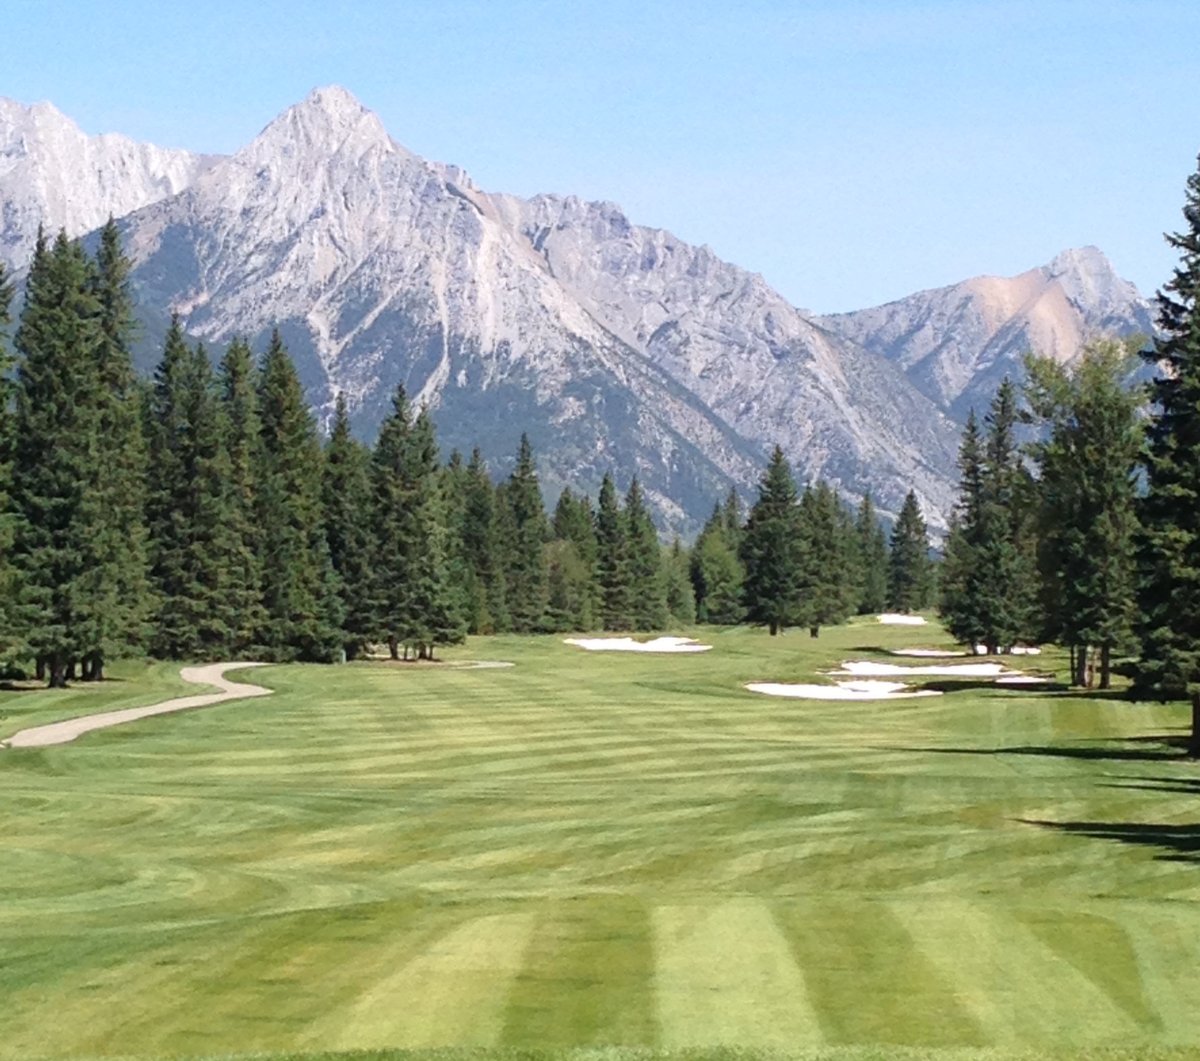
x: 487, y: 610
x: 612, y: 559
x: 115, y: 498
x: 8, y: 583
x: 1169, y: 544
x: 770, y: 549
x: 828, y: 587
x: 647, y: 586
x: 186, y: 506
x: 681, y: 602
x: 570, y: 587
x: 575, y: 522
x: 299, y: 587
x: 526, y: 586
x: 55, y: 458
x: 242, y: 454
x: 345, y: 504
x: 1087, y: 461
x: 873, y: 559
x: 909, y: 569
x: 959, y: 603
x: 393, y: 526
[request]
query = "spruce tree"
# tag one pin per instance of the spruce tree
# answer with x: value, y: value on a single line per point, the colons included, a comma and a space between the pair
x: 872, y: 546
x: 681, y: 602
x: 487, y: 607
x: 1169, y: 544
x: 574, y: 522
x: 770, y: 550
x: 393, y: 528
x: 909, y: 569
x: 1087, y: 459
x: 242, y: 453
x: 647, y: 585
x: 55, y: 459
x: 8, y: 583
x: 827, y: 583
x: 345, y: 505
x: 186, y: 510
x: 526, y: 586
x: 612, y: 559
x: 959, y: 601
x: 300, y: 595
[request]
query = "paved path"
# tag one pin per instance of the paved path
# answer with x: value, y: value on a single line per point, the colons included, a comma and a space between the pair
x: 210, y: 674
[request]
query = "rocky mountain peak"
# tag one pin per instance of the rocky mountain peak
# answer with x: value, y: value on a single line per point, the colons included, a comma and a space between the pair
x: 1090, y: 282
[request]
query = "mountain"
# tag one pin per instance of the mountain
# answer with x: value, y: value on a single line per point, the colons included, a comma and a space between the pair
x: 956, y: 343
x: 615, y: 346
x: 53, y: 174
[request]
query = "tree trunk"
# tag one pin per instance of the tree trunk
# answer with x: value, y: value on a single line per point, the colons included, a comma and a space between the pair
x: 1194, y: 740
x: 1080, y: 677
x: 57, y: 673
x: 71, y: 671
x: 774, y: 627
x: 40, y: 668
x: 1071, y: 649
x: 1105, y: 666
x: 394, y: 647
x: 814, y: 631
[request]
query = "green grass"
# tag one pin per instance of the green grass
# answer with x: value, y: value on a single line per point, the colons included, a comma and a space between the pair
x: 608, y: 857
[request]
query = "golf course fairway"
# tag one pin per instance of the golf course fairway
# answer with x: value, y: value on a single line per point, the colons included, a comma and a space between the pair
x: 602, y: 855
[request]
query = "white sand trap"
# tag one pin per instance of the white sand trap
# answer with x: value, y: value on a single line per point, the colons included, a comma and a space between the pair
x: 628, y: 644
x: 894, y: 619
x: 841, y: 691
x: 212, y: 674
x: 1023, y: 679
x: 871, y: 669
x: 930, y: 653
x: 1016, y: 650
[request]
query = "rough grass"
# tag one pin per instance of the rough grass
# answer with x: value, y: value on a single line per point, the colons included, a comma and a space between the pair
x: 601, y: 857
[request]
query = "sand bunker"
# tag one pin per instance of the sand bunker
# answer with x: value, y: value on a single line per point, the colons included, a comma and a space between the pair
x: 628, y: 644
x: 841, y: 691
x: 1016, y: 650
x: 893, y: 619
x: 931, y: 653
x: 870, y: 669
x: 1023, y: 679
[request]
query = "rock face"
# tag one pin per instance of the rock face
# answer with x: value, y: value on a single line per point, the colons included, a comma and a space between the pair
x: 957, y: 343
x: 613, y: 345
x: 53, y: 174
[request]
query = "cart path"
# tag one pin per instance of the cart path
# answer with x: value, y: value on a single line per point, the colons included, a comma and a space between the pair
x: 209, y: 674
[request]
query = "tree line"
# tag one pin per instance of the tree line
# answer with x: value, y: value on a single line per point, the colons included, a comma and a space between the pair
x: 1088, y: 535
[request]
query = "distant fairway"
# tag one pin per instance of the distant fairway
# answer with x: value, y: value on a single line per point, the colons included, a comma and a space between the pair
x: 602, y: 850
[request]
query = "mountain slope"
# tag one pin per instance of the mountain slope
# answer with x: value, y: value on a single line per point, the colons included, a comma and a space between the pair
x: 956, y: 343
x: 53, y: 174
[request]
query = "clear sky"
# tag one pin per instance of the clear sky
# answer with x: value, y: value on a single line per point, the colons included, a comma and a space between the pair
x: 851, y: 152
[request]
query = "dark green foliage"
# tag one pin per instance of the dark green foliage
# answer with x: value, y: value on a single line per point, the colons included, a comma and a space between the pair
x: 716, y: 571
x: 526, y: 588
x: 612, y: 559
x: 487, y: 609
x: 303, y: 618
x: 242, y: 446
x: 394, y: 503
x: 909, y: 570
x: 55, y: 459
x: 571, y: 560
x: 872, y: 559
x: 647, y: 586
x: 8, y: 582
x: 1087, y: 463
x: 1169, y: 546
x: 958, y: 601
x: 186, y: 506
x: 681, y: 602
x: 345, y: 506
x: 771, y: 551
x: 827, y: 570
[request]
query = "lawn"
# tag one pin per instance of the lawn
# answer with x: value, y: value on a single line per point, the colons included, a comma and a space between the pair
x: 616, y: 856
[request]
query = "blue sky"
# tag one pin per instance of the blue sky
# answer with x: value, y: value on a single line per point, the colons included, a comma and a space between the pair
x: 850, y: 152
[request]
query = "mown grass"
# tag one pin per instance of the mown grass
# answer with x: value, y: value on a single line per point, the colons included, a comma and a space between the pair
x: 605, y: 856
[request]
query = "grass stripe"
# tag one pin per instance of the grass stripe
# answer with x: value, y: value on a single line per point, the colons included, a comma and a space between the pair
x: 725, y: 977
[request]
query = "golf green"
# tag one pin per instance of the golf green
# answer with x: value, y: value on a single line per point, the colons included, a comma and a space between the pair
x: 604, y: 854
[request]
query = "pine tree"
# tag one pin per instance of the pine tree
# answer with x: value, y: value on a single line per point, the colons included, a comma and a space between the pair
x: 1087, y: 461
x: 345, y: 504
x: 574, y: 572
x: 770, y: 551
x: 612, y: 559
x: 299, y: 586
x: 681, y: 602
x: 526, y: 586
x: 872, y: 548
x: 487, y: 610
x: 186, y: 510
x: 242, y: 453
x: 909, y: 569
x: 8, y: 583
x: 1169, y: 545
x: 647, y: 586
x: 959, y: 603
x: 828, y: 588
x: 393, y: 530
x: 55, y: 458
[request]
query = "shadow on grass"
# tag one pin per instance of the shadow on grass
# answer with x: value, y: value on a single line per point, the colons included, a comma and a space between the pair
x: 1151, y: 749
x: 1181, y: 843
